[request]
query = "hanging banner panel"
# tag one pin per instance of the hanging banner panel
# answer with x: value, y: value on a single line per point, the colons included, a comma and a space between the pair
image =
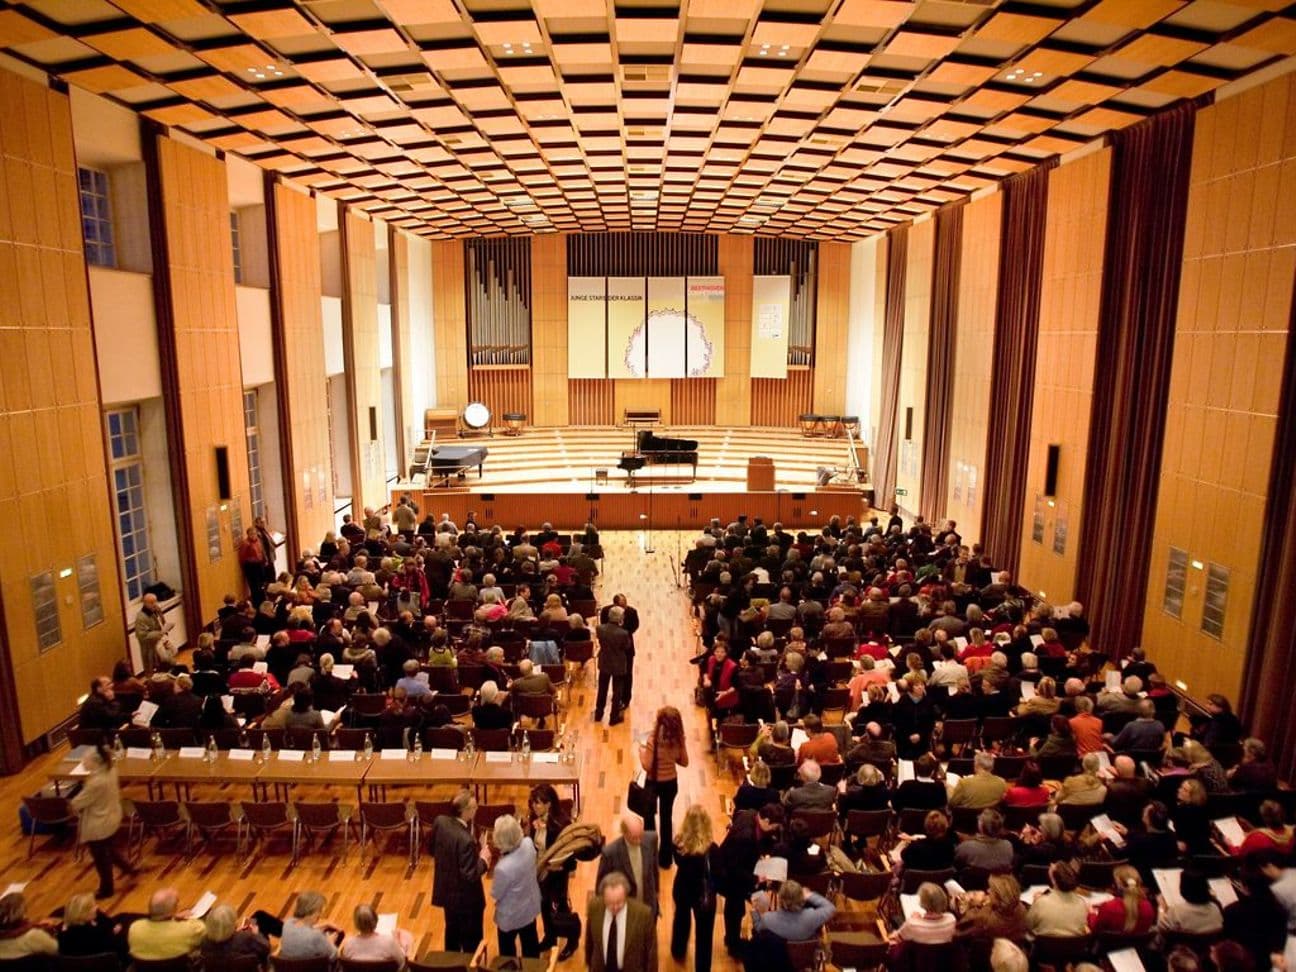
x: 704, y: 337
x: 771, y: 299
x: 586, y: 327
x: 627, y: 329
x: 666, y: 327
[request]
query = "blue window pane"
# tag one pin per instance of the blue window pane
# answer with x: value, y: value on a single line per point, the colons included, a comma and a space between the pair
x: 128, y: 546
x: 114, y: 423
x: 119, y: 476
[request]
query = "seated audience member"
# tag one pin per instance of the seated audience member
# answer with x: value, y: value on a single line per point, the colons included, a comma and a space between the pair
x: 1205, y: 767
x: 755, y: 791
x: 1086, y: 728
x: 922, y: 792
x: 1126, y: 700
x: 934, y: 851
x: 1191, y: 819
x: 1044, y: 702
x: 370, y: 945
x: 88, y: 931
x: 1007, y: 957
x: 100, y: 710
x: 1129, y: 912
x: 1127, y: 792
x: 994, y: 913
x: 1273, y: 834
x: 1144, y: 732
x: 1154, y: 844
x: 489, y: 712
x: 1060, y: 911
x: 773, y: 745
x: 799, y: 916
x: 1256, y: 772
x: 1221, y: 726
x: 416, y: 688
x: 245, y: 679
x: 1060, y: 742
x: 302, y: 671
x: 982, y: 789
x: 866, y: 791
x: 181, y: 709
x: 872, y: 747
x: 988, y: 849
x: 20, y: 938
x: 1086, y: 788
x: 1045, y: 842
x: 811, y: 794
x: 931, y: 923
x: 821, y: 746
x: 226, y: 940
x: 303, y: 714
x: 1028, y: 790
x: 530, y: 681
x: 304, y: 936
x: 1195, y: 912
x: 164, y: 934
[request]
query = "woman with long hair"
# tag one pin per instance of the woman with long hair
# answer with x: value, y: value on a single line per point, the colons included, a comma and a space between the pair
x: 98, y: 806
x: 1129, y: 912
x: 664, y: 750
x: 545, y: 821
x: 693, y: 891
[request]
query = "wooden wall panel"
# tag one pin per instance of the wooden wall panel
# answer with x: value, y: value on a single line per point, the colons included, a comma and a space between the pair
x: 734, y: 390
x: 1230, y: 340
x: 549, y: 391
x: 360, y: 354
x: 403, y: 363
x: 501, y: 388
x: 54, y: 497
x: 1064, y: 361
x: 974, y: 347
x: 782, y: 401
x: 693, y: 401
x: 643, y: 393
x: 299, y: 365
x: 832, y: 320
x: 591, y: 401
x: 449, y: 327
x: 208, y: 369
x: 913, y: 364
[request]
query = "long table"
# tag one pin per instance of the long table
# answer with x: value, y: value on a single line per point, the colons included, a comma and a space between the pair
x: 338, y: 767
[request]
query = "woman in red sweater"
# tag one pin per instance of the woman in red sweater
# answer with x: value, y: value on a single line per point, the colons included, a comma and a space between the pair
x: 1130, y: 912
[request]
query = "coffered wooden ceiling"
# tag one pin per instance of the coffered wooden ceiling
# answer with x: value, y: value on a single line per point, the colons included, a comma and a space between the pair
x: 826, y: 119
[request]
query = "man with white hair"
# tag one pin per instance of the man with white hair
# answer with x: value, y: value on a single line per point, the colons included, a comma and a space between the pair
x: 799, y: 916
x: 633, y: 854
x: 982, y: 789
x: 813, y: 793
x: 489, y: 712
x: 457, y: 876
x: 614, y: 658
x: 151, y: 629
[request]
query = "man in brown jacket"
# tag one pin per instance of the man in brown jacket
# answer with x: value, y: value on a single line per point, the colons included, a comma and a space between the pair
x: 622, y: 934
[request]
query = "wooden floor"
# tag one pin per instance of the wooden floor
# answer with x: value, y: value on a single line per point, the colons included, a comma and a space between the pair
x: 662, y: 675
x: 564, y: 459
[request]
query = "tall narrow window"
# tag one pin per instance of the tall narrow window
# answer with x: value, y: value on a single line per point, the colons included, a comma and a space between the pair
x: 96, y: 218
x: 1176, y: 583
x: 252, y: 425
x: 1217, y: 584
x: 237, y: 246
x: 128, y: 496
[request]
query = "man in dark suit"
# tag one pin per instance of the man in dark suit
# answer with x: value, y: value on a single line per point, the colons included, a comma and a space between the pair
x: 616, y: 651
x: 622, y: 935
x: 629, y: 621
x: 633, y: 854
x: 457, y: 881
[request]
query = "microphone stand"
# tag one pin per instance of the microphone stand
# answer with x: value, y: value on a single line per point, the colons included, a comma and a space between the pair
x: 648, y: 546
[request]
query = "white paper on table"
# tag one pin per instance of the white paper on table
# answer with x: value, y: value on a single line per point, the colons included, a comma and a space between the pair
x: 386, y: 923
x: 1125, y: 960
x: 241, y: 755
x: 544, y: 757
x: 144, y: 714
x: 909, y: 905
x: 1027, y: 691
x: 1103, y: 824
x: 905, y: 771
x: 1167, y: 879
x: 192, y: 752
x: 1036, y: 640
x: 291, y: 755
x: 263, y: 642
x: 343, y: 672
x: 1113, y: 681
x: 1230, y: 828
x: 203, y: 905
x: 261, y: 668
x: 227, y: 701
x: 395, y: 753
x: 445, y: 754
x: 799, y: 737
x: 499, y: 757
x: 80, y: 769
x: 138, y: 752
x: 1223, y: 891
x: 771, y: 869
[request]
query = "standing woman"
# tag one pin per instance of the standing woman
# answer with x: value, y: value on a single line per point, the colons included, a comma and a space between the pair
x: 516, y: 890
x: 693, y: 891
x: 664, y: 751
x: 544, y: 823
x: 99, y: 807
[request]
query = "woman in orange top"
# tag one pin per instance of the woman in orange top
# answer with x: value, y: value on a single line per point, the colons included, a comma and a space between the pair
x: 664, y: 750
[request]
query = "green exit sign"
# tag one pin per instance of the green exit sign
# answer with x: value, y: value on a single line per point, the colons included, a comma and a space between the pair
x: 901, y: 492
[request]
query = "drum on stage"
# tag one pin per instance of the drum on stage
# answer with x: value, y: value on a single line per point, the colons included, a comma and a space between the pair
x: 476, y: 415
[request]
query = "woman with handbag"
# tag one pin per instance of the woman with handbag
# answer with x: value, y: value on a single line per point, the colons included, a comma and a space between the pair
x: 693, y: 891
x: 545, y: 822
x: 663, y: 752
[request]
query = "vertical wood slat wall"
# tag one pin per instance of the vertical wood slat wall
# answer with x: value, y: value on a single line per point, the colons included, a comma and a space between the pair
x: 693, y: 401
x: 360, y: 354
x: 549, y: 391
x: 398, y: 248
x: 449, y: 333
x: 1070, y: 292
x: 781, y: 401
x: 590, y: 401
x: 1230, y: 343
x: 299, y: 364
x: 208, y: 368
x: 501, y: 389
x: 831, y: 324
x: 54, y: 496
x: 913, y: 363
x: 734, y: 390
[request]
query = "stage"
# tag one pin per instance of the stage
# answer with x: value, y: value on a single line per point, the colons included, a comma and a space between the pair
x: 553, y: 474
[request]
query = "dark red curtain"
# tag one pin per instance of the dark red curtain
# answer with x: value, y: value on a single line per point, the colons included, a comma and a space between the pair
x: 884, y: 449
x: 1266, y: 704
x: 942, y: 339
x: 1012, y: 368
x: 1140, y: 293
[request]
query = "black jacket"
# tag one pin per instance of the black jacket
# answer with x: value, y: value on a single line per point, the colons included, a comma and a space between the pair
x: 457, y: 879
x: 615, y: 649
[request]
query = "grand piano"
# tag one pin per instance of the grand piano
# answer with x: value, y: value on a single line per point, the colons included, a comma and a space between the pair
x: 447, y: 461
x: 658, y: 450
